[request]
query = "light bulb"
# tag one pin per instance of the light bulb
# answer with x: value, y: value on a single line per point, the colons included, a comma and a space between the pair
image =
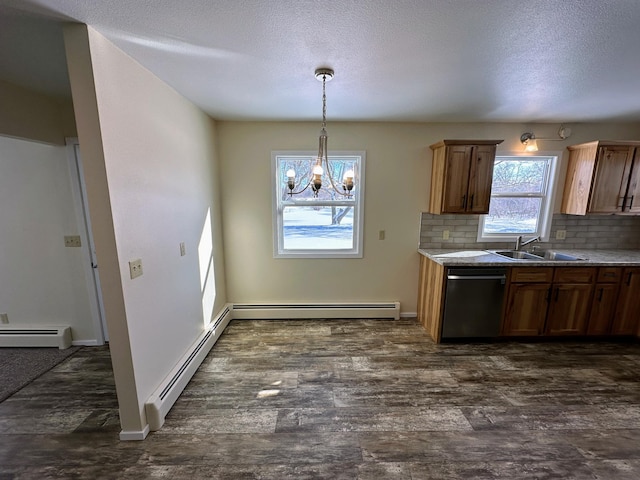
x: 291, y: 173
x: 317, y: 170
x: 531, y: 146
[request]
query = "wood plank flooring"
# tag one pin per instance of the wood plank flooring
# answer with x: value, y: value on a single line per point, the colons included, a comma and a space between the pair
x: 344, y: 399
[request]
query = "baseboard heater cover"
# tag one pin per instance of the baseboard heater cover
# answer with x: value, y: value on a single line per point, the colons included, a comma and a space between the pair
x: 35, y: 336
x: 316, y: 310
x: 161, y: 401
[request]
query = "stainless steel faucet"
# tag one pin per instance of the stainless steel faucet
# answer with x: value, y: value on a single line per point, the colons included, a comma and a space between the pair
x: 520, y: 243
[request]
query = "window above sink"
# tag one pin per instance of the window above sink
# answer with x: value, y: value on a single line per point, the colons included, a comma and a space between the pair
x: 521, y: 198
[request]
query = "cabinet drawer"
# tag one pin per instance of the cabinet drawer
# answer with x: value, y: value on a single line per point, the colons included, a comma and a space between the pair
x: 609, y: 274
x: 531, y: 274
x: 574, y: 275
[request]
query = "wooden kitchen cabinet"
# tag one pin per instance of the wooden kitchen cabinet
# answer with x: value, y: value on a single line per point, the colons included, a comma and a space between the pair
x: 605, y: 295
x: 527, y: 301
x: 431, y: 284
x: 627, y: 315
x: 603, y: 177
x: 570, y: 301
x: 461, y: 176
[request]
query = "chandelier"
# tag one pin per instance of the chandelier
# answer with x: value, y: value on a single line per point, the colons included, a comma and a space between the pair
x: 322, y: 161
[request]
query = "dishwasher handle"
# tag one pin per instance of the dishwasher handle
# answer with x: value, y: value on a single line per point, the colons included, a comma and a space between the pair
x: 502, y: 278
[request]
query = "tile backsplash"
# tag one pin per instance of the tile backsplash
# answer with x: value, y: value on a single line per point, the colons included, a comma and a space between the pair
x: 589, y: 232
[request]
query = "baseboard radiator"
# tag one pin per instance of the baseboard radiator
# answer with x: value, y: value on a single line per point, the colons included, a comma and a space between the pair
x: 36, y: 336
x: 161, y: 401
x: 316, y: 310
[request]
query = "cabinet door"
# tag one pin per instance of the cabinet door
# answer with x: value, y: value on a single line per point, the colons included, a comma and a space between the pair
x: 480, y: 178
x: 526, y: 309
x: 633, y: 195
x: 569, y: 309
x: 455, y: 197
x: 611, y: 179
x: 603, y: 308
x: 625, y: 321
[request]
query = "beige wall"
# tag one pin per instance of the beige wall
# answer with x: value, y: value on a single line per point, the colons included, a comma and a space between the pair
x: 397, y: 190
x: 152, y: 174
x: 33, y: 116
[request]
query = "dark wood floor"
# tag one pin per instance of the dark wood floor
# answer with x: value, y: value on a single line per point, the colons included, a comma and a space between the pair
x: 344, y: 399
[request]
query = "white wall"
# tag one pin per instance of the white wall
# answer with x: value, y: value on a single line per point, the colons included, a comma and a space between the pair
x: 151, y: 167
x: 42, y: 282
x: 397, y: 190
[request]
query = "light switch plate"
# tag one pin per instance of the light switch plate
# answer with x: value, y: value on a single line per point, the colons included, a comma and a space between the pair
x: 445, y: 234
x: 72, y: 241
x: 561, y: 234
x: 183, y: 249
x: 4, y: 318
x: 135, y: 268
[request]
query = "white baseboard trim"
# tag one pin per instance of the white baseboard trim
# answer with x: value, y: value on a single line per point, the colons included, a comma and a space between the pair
x: 131, y: 435
x: 408, y: 314
x: 258, y: 311
x: 86, y: 343
x: 162, y: 399
x: 35, y: 336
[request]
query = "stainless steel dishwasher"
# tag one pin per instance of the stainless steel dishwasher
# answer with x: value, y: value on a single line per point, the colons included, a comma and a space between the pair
x: 473, y: 302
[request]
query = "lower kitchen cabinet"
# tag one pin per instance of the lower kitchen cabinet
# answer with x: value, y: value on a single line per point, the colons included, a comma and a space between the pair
x: 605, y: 296
x: 527, y: 301
x: 549, y: 301
x: 569, y: 309
x: 570, y: 301
x: 526, y: 309
x: 627, y: 315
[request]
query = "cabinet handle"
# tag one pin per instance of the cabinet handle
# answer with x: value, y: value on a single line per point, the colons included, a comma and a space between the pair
x: 629, y: 278
x: 631, y: 202
x: 557, y: 293
x: 464, y: 201
x: 549, y: 295
x: 471, y: 206
x: 609, y: 274
x: 600, y: 294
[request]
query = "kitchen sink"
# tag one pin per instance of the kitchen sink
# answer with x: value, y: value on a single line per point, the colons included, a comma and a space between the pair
x: 517, y: 254
x: 537, y: 255
x: 553, y: 255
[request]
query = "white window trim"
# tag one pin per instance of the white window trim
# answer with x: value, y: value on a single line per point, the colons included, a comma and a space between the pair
x: 547, y: 204
x: 358, y: 209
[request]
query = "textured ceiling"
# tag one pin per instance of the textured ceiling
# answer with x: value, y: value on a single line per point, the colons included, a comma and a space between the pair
x: 395, y: 60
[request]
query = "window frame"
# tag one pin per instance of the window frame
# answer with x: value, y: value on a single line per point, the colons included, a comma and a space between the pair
x: 548, y: 200
x: 278, y: 207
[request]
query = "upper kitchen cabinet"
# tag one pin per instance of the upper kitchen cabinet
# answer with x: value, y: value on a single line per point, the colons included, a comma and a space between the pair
x: 461, y: 176
x: 603, y: 177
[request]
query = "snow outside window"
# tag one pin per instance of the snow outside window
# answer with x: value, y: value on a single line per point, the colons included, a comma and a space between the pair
x: 326, y: 226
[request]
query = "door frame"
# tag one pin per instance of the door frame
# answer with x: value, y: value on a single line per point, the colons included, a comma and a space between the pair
x: 89, y: 258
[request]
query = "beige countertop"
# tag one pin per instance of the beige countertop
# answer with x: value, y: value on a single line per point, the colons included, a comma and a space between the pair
x: 476, y: 258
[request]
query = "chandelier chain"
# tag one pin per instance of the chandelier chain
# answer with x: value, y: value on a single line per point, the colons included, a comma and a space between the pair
x: 324, y: 101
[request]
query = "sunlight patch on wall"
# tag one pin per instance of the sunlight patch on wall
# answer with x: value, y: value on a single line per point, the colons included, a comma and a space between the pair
x: 207, y: 273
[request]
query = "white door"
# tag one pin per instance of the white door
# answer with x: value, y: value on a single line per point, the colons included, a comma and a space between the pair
x: 84, y: 222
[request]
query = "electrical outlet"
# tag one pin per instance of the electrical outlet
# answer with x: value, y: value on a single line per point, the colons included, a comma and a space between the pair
x: 135, y: 268
x: 183, y: 249
x: 4, y: 318
x: 381, y: 235
x: 561, y: 234
x: 445, y: 234
x: 72, y: 241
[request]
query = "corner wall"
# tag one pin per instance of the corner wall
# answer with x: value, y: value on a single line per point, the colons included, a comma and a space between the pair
x: 151, y: 173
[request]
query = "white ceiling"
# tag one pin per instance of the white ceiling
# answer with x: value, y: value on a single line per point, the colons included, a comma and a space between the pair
x: 395, y: 60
